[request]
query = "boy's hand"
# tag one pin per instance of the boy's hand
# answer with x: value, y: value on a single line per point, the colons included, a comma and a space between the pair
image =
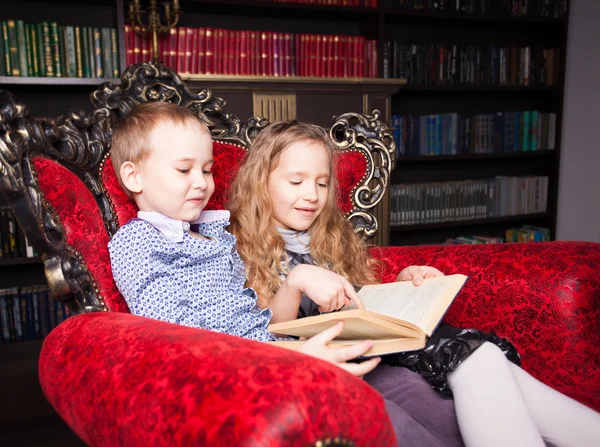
x: 327, y: 289
x: 417, y: 273
x: 317, y: 347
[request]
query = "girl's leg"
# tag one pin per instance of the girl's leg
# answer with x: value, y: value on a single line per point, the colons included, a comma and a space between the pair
x: 490, y: 408
x: 561, y: 420
x: 419, y: 415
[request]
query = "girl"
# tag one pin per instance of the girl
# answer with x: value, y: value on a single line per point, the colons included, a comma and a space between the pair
x: 284, y: 215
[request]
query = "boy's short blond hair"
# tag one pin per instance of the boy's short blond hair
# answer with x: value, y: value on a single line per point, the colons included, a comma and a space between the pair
x: 131, y: 138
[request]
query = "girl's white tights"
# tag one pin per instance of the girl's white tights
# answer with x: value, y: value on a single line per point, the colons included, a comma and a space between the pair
x: 499, y: 404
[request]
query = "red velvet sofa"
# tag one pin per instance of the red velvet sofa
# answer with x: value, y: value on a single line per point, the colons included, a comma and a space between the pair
x: 119, y: 379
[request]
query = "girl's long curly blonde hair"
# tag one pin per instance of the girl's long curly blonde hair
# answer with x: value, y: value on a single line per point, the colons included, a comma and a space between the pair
x: 333, y: 242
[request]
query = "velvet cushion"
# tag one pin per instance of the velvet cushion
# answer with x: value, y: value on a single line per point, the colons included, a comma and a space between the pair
x: 140, y: 382
x: 544, y: 297
x: 84, y: 227
x: 351, y: 168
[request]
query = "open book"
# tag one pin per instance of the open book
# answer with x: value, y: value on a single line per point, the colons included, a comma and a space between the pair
x: 398, y: 316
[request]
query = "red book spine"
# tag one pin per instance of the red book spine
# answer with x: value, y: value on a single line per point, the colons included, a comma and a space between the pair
x: 172, y: 48
x: 201, y: 60
x: 331, y: 57
x: 244, y: 57
x: 362, y: 59
x: 210, y: 54
x: 336, y: 58
x: 191, y: 50
x: 306, y: 50
x: 129, y: 45
x: 322, y: 69
x: 180, y: 58
x: 263, y: 53
x: 300, y: 54
x: 219, y: 36
x: 374, y: 60
x: 137, y: 48
x: 289, y: 58
x: 284, y: 54
x: 252, y: 48
x: 344, y: 70
x: 236, y: 52
x: 318, y: 55
x: 276, y: 56
x: 224, y: 53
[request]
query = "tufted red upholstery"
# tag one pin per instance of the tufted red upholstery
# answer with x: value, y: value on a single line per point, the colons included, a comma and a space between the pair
x: 545, y: 297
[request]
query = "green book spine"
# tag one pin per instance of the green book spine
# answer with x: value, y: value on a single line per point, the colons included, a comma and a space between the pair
x: 71, y: 58
x: 527, y: 131
x: 2, y: 54
x: 534, y: 130
x: 13, y: 48
x: 62, y: 46
x: 114, y: 42
x: 33, y: 50
x: 48, y: 61
x: 55, y: 45
x: 22, y: 46
x: 30, y: 67
x: 85, y: 52
x: 106, y: 53
x: 97, y: 53
x: 78, y: 51
x: 40, y: 49
x: 6, y: 49
x: 90, y: 52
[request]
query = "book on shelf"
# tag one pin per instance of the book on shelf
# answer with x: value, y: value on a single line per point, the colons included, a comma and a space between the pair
x: 28, y: 313
x: 13, y: 242
x: 487, y: 133
x: 398, y: 316
x: 434, y: 202
x: 212, y: 51
x: 475, y: 65
x: 47, y: 49
x: 528, y: 233
x: 485, y: 8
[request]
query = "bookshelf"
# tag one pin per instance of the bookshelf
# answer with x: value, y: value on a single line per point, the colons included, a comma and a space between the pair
x: 317, y: 99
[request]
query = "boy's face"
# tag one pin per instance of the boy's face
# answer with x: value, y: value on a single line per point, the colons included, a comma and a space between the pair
x: 299, y: 185
x: 176, y: 178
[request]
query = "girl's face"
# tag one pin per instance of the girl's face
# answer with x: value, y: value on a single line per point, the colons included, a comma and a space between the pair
x: 299, y: 185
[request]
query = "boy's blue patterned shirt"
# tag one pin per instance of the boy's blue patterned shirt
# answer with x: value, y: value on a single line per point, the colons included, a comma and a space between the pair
x: 166, y: 274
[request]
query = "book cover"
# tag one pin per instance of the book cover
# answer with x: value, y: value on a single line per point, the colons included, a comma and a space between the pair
x: 397, y: 316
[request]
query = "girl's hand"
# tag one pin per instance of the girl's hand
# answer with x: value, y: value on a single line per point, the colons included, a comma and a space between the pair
x: 317, y: 347
x: 327, y: 289
x: 417, y: 273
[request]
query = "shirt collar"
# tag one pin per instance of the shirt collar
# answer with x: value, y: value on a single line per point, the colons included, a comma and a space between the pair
x: 173, y: 229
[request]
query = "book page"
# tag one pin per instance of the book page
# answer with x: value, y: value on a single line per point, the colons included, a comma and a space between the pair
x: 418, y: 305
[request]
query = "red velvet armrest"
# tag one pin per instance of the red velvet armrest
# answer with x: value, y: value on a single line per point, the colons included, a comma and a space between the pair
x: 120, y: 379
x: 544, y: 297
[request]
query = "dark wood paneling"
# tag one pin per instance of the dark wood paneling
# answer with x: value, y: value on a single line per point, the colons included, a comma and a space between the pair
x: 320, y: 108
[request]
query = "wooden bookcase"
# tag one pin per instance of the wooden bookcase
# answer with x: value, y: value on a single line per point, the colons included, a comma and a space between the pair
x: 317, y: 100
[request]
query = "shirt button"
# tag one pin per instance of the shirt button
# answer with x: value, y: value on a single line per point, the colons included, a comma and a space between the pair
x: 175, y: 234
